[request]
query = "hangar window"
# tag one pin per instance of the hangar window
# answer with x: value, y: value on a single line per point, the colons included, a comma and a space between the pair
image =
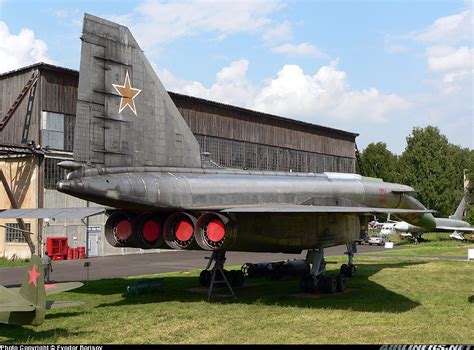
x: 13, y: 235
x: 57, y: 130
x: 250, y: 155
x: 52, y: 173
x: 225, y: 152
x: 273, y: 158
x: 239, y: 154
x: 262, y: 157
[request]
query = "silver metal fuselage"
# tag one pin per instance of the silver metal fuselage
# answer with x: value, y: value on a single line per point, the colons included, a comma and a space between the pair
x: 210, y: 189
x: 198, y: 190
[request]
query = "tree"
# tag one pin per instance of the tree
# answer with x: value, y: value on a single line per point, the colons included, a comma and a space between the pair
x: 379, y: 162
x: 434, y: 168
x: 470, y: 177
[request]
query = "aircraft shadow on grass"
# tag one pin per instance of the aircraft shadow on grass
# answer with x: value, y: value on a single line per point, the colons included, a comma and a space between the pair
x: 21, y: 334
x: 362, y: 294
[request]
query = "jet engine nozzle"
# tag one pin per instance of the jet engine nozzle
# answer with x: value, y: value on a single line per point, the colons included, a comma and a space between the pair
x: 215, y: 232
x: 147, y: 231
x: 118, y: 230
x: 179, y: 231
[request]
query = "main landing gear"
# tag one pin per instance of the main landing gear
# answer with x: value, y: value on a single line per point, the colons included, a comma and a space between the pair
x: 317, y: 279
x: 211, y: 278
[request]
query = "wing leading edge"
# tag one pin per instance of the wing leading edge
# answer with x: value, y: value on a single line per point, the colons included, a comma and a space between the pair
x: 322, y: 209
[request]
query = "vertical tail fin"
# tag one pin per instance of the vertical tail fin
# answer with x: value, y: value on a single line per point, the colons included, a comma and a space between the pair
x: 124, y: 116
x: 458, y: 214
x: 32, y: 288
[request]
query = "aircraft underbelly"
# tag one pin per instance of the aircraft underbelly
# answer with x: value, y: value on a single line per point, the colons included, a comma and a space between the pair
x: 293, y: 231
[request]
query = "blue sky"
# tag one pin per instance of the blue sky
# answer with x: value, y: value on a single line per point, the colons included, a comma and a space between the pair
x: 377, y: 68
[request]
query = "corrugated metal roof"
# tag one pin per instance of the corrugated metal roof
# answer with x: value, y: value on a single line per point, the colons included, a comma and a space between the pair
x: 41, y: 65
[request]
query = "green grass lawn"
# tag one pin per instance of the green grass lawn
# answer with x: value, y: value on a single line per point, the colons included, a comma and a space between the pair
x: 397, y: 300
x: 433, y: 244
x: 4, y: 262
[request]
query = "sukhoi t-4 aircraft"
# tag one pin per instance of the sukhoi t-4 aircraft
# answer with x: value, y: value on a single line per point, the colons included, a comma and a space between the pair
x: 133, y: 151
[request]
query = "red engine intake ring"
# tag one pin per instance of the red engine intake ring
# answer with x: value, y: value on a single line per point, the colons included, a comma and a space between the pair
x: 151, y: 230
x: 179, y: 231
x: 147, y: 232
x: 214, y: 231
x: 119, y: 229
x: 123, y: 230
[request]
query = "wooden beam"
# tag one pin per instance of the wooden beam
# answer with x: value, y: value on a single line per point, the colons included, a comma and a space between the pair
x: 15, y: 205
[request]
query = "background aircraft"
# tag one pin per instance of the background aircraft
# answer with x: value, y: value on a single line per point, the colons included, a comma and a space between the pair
x: 27, y: 305
x: 453, y: 224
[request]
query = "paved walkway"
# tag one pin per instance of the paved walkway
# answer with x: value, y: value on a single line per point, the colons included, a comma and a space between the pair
x: 434, y: 257
x: 152, y: 263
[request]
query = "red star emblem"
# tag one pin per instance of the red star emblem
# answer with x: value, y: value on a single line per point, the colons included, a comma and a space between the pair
x: 128, y: 94
x: 34, y: 274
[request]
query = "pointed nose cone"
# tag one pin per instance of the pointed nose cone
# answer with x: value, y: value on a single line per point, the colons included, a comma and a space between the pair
x: 63, y: 185
x: 69, y: 186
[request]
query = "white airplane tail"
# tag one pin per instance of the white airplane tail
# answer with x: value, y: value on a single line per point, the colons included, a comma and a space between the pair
x: 458, y: 214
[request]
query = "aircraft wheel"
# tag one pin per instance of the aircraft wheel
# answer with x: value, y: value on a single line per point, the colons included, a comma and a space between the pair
x: 352, y: 271
x: 329, y: 285
x: 343, y: 269
x: 341, y: 283
x: 348, y: 270
x: 309, y: 284
x: 205, y: 278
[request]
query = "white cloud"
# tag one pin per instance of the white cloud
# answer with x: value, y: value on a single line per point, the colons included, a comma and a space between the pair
x: 450, y: 54
x: 449, y: 29
x: 324, y: 96
x: 20, y: 50
x: 231, y: 85
x: 277, y: 33
x: 446, y: 58
x: 395, y: 48
x: 303, y: 49
x: 157, y: 23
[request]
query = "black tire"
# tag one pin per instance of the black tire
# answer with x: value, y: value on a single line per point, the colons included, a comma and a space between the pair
x: 344, y: 268
x: 329, y: 285
x: 205, y: 278
x: 352, y: 271
x: 308, y: 284
x: 341, y: 283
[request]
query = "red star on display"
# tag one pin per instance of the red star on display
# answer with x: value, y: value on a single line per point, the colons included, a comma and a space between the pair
x: 128, y: 94
x: 34, y: 274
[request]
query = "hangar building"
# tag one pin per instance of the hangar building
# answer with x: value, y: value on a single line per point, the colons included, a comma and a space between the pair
x: 37, y: 117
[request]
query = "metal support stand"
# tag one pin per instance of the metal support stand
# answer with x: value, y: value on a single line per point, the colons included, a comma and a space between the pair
x: 218, y: 258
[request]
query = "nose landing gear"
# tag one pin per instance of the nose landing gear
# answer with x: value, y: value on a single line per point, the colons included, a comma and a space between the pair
x: 317, y: 279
